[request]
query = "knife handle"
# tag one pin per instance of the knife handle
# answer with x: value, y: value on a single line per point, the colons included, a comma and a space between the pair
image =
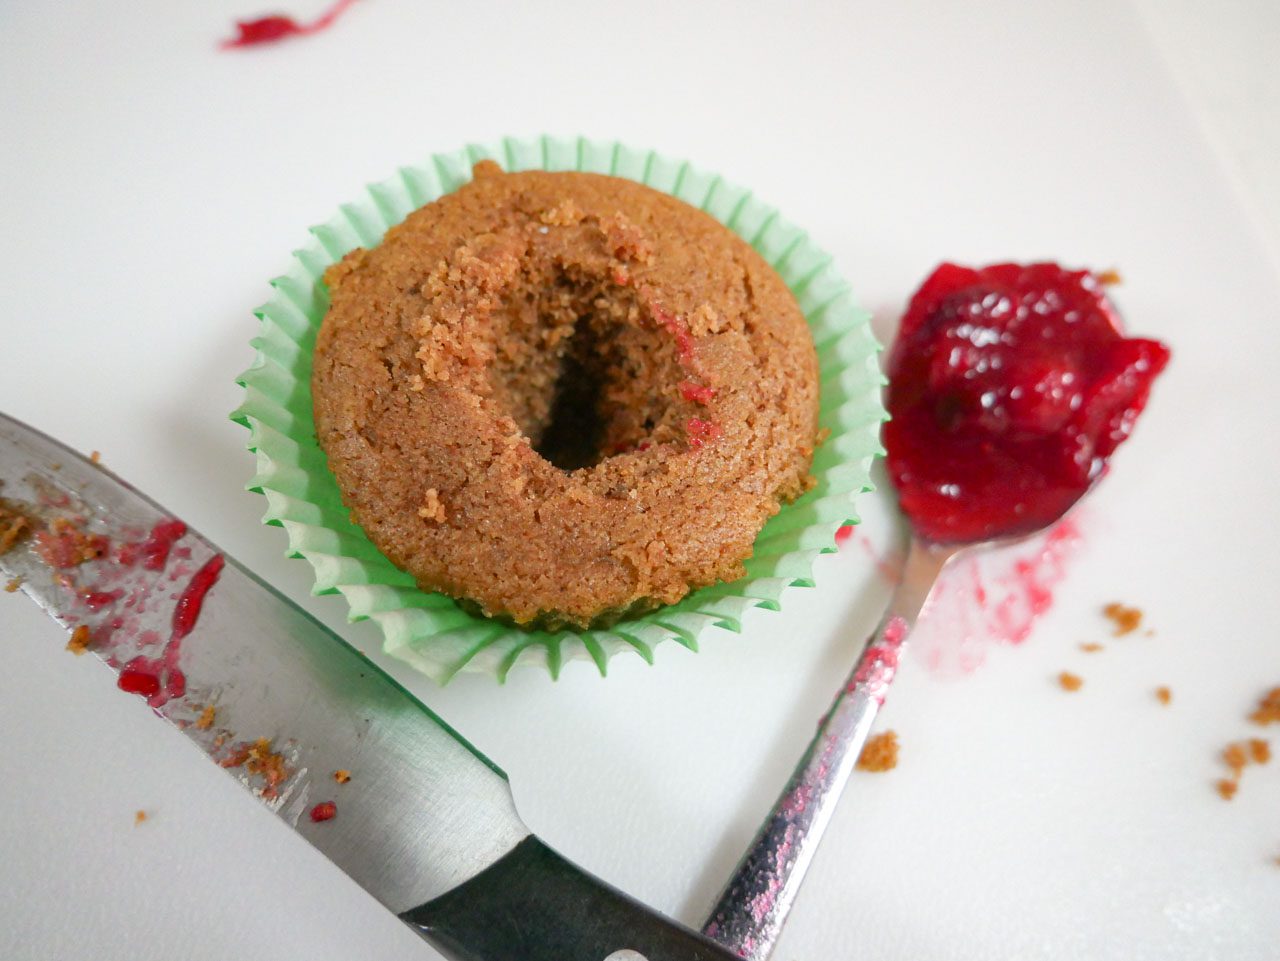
x: 533, y: 905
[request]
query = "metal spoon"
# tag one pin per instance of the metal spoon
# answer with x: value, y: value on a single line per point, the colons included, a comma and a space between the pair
x: 750, y: 913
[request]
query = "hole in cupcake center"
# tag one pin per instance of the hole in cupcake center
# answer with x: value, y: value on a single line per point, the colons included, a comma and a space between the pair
x: 572, y: 437
x: 579, y: 367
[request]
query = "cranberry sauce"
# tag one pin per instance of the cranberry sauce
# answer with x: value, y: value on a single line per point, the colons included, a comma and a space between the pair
x: 1009, y: 387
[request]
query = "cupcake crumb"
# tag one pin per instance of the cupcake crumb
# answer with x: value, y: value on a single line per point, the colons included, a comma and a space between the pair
x: 880, y: 753
x: 432, y: 508
x: 1070, y: 682
x: 14, y: 525
x: 1164, y: 695
x: 1235, y: 757
x: 13, y: 585
x: 95, y: 457
x: 65, y: 544
x: 138, y: 817
x: 205, y: 721
x: 1125, y: 620
x: 1268, y: 711
x: 1091, y: 647
x: 79, y: 642
x: 258, y: 759
x: 342, y: 776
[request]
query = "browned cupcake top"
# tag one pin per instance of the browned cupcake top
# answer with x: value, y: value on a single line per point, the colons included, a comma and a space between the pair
x: 563, y: 396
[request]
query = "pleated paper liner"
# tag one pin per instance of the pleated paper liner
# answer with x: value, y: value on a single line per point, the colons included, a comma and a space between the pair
x: 430, y: 631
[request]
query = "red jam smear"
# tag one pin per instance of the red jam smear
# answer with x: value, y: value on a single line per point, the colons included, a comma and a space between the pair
x: 324, y: 811
x: 276, y: 27
x: 160, y: 679
x: 696, y: 393
x: 155, y: 549
x: 140, y: 680
x: 678, y: 328
x: 1009, y: 387
x: 187, y: 610
x: 701, y: 432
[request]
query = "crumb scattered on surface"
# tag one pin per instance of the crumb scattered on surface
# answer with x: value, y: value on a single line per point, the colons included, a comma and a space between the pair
x: 13, y: 585
x: 79, y: 642
x: 880, y: 753
x: 1070, y: 682
x: 1109, y: 278
x: 139, y: 817
x: 207, y: 716
x: 96, y: 457
x: 14, y: 525
x: 260, y: 760
x: 1091, y: 647
x: 1235, y: 757
x: 65, y: 543
x: 1259, y: 750
x: 1268, y: 711
x: 1164, y: 695
x: 342, y: 776
x: 1125, y: 620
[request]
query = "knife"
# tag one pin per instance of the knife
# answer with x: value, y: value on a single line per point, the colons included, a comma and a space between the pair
x: 424, y: 822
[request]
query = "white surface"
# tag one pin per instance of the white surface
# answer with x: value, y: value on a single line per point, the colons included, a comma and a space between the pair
x: 1223, y: 53
x: 151, y: 185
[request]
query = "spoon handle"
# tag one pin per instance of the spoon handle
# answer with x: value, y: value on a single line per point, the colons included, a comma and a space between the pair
x: 755, y: 903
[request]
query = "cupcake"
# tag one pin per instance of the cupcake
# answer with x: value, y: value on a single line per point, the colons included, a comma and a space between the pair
x: 559, y: 415
x: 563, y: 397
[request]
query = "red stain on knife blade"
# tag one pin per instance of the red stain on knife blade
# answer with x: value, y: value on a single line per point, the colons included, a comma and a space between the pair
x: 160, y: 679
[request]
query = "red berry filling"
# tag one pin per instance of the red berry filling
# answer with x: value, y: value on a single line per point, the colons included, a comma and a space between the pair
x: 701, y: 432
x: 324, y: 811
x: 1009, y: 387
x: 696, y: 393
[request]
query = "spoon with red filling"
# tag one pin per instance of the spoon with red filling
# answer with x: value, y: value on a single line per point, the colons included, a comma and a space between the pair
x: 1009, y: 388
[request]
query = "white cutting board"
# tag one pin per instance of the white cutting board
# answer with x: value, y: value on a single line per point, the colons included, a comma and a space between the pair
x: 150, y: 185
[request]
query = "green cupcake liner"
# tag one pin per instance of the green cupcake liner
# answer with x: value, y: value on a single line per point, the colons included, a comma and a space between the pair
x: 430, y: 632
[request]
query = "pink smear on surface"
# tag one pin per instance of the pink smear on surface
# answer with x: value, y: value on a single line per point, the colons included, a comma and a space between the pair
x: 888, y: 566
x: 276, y: 27
x: 993, y: 598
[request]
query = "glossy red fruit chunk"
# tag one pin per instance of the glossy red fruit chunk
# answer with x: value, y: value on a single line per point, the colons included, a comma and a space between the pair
x: 1009, y: 387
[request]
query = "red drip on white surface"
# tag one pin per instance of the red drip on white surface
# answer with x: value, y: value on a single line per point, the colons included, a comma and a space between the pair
x: 984, y: 600
x: 991, y: 599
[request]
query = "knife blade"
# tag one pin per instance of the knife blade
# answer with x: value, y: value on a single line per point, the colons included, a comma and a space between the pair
x: 425, y: 823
